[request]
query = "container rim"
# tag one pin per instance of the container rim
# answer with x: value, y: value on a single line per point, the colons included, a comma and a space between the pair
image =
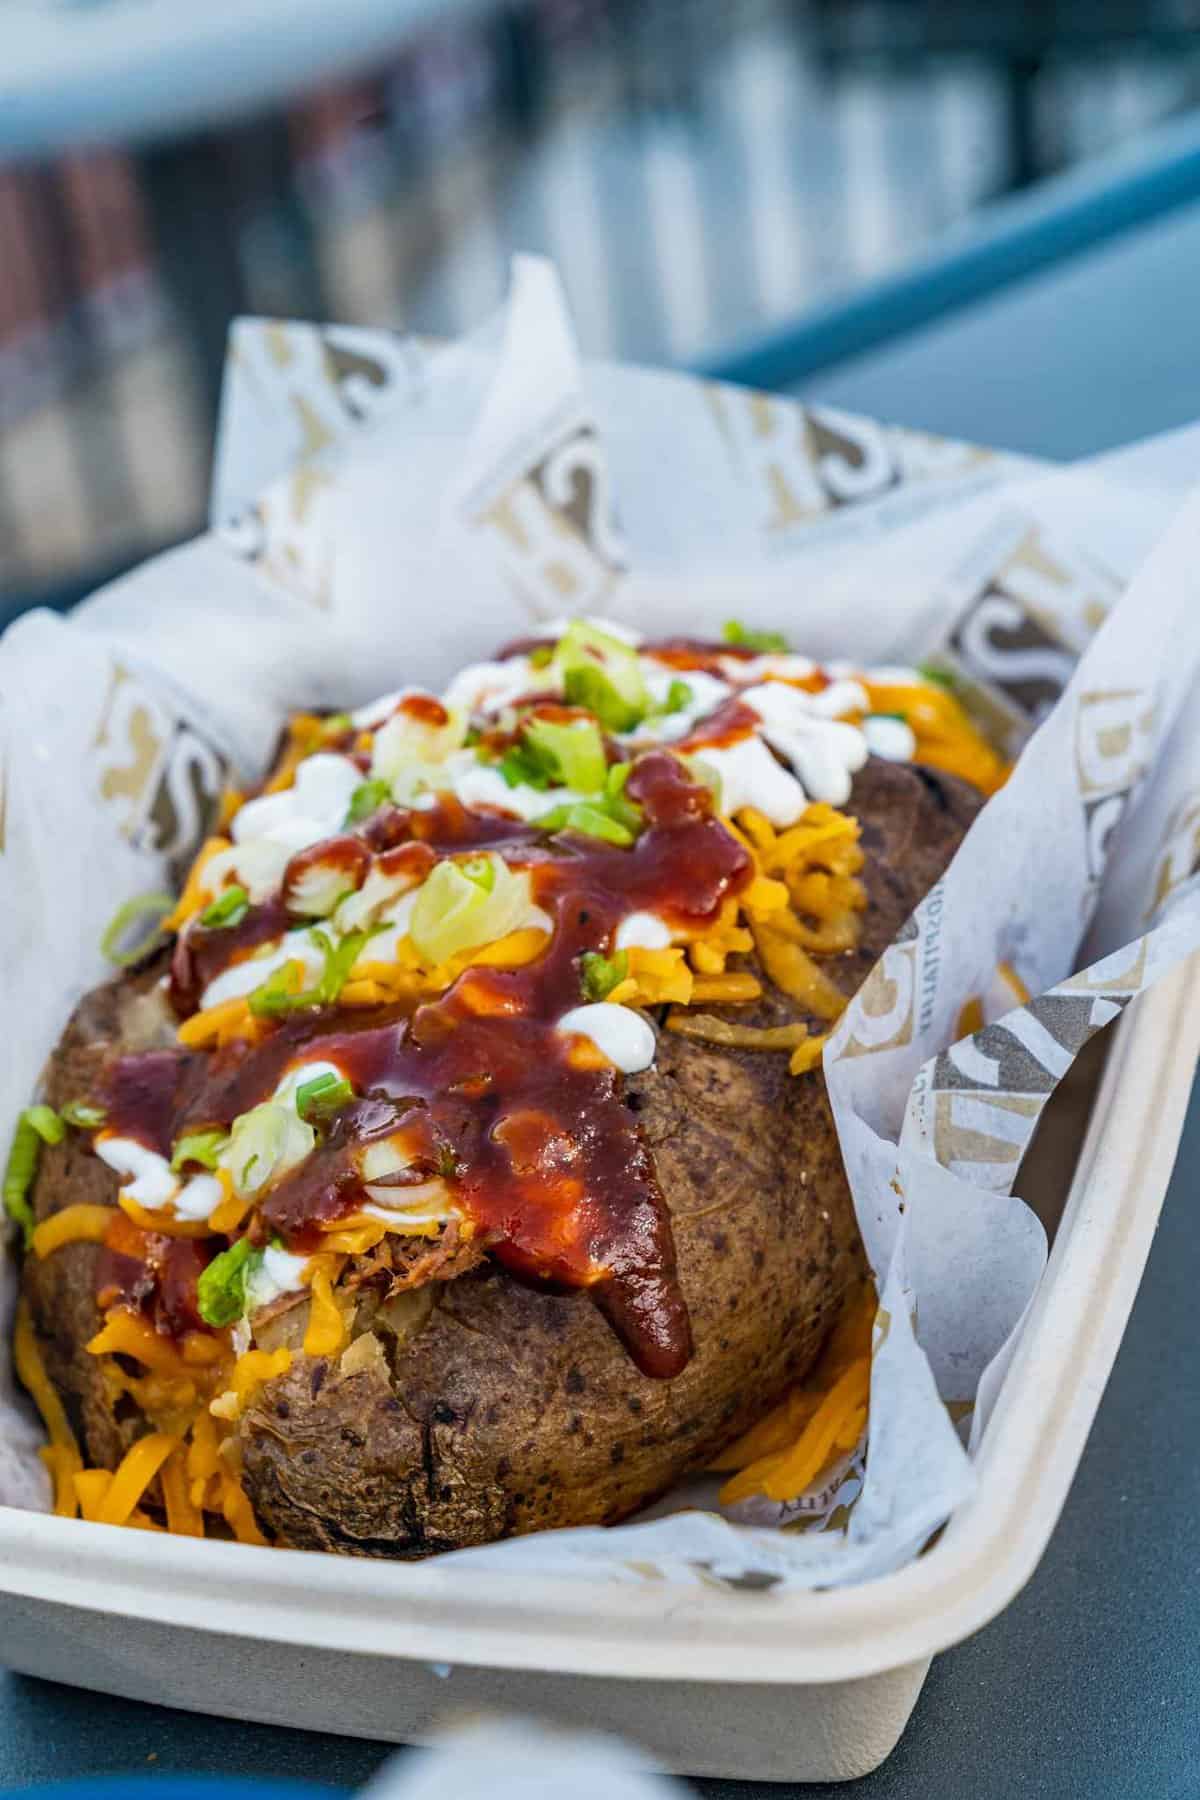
x: 434, y: 1612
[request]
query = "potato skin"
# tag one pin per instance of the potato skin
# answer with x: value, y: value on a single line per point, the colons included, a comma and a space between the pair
x: 514, y: 1410
x: 124, y: 1014
x: 510, y: 1409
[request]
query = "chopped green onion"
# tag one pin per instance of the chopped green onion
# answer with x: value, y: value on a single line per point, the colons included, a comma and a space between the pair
x: 679, y: 695
x: 264, y: 1144
x: 36, y: 1126
x: 336, y: 726
x: 447, y: 1163
x: 46, y: 1123
x: 19, y: 1172
x: 593, y: 689
x: 339, y: 960
x: 201, y: 1147
x: 481, y: 870
x: 279, y: 993
x: 524, y: 765
x: 602, y: 673
x: 229, y: 908
x: 936, y: 676
x: 221, y: 1289
x: 144, y: 906
x: 83, y: 1116
x: 455, y: 911
x: 471, y: 737
x: 594, y: 823
x: 317, y: 1100
x: 541, y: 656
x: 616, y: 805
x: 607, y: 815
x: 366, y: 799
x: 575, y: 752
x: 599, y: 975
x: 734, y: 632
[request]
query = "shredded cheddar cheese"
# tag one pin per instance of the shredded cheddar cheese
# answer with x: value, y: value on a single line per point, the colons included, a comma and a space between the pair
x: 129, y: 1334
x: 83, y: 1223
x: 708, y: 1029
x: 184, y: 1518
x: 327, y: 1333
x: 946, y: 738
x: 167, y: 1222
x: 61, y: 1456
x: 238, y: 1512
x: 229, y: 1212
x: 229, y: 1022
x: 249, y: 1374
x: 784, y: 1453
x: 137, y: 1469
x: 305, y: 734
x: 196, y: 894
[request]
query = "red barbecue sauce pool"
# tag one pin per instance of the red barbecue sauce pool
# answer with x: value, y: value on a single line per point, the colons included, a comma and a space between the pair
x: 547, y: 1159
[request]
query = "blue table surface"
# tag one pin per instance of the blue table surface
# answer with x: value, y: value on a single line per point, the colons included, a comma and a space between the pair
x: 1086, y: 1686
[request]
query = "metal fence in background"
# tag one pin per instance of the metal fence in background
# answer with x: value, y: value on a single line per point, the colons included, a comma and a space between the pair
x: 699, y: 169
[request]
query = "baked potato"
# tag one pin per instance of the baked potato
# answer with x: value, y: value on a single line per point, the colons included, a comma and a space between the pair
x: 468, y: 1394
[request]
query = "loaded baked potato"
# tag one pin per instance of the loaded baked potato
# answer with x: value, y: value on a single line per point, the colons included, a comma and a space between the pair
x: 463, y: 1167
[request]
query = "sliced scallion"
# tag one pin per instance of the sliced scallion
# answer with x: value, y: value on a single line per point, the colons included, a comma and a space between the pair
x: 143, y: 906
x: 599, y: 975
x: 83, y: 1116
x: 229, y: 908
x: 201, y: 1147
x: 319, y: 1099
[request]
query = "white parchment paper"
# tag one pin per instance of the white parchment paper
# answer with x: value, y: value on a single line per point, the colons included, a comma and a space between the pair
x: 386, y: 510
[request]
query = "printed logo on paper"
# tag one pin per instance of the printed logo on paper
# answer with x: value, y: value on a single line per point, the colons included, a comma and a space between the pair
x: 157, y: 776
x: 288, y: 533
x: 553, y: 530
x: 983, y: 1096
x: 1022, y: 630
x: 324, y: 382
x: 322, y: 385
x: 1179, y: 858
x: 1114, y: 742
x: 828, y: 1506
x: 804, y: 464
x: 884, y: 1009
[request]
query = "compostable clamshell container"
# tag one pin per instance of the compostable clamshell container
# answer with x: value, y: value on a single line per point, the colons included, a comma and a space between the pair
x: 359, y: 475
x: 711, y: 1680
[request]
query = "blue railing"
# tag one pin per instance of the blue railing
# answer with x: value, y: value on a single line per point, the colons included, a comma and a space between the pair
x: 1014, y: 239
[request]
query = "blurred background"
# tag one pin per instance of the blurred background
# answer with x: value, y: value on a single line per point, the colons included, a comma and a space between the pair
x: 701, y: 171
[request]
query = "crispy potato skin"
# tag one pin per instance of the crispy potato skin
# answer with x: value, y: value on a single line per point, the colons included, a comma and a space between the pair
x: 60, y: 1290
x: 509, y: 1410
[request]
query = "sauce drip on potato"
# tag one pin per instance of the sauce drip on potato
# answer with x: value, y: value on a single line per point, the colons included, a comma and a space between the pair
x: 545, y: 1155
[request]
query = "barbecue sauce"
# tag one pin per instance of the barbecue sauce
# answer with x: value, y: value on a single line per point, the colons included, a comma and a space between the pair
x: 529, y: 1123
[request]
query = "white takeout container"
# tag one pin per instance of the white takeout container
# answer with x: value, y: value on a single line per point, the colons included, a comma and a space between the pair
x: 751, y: 1684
